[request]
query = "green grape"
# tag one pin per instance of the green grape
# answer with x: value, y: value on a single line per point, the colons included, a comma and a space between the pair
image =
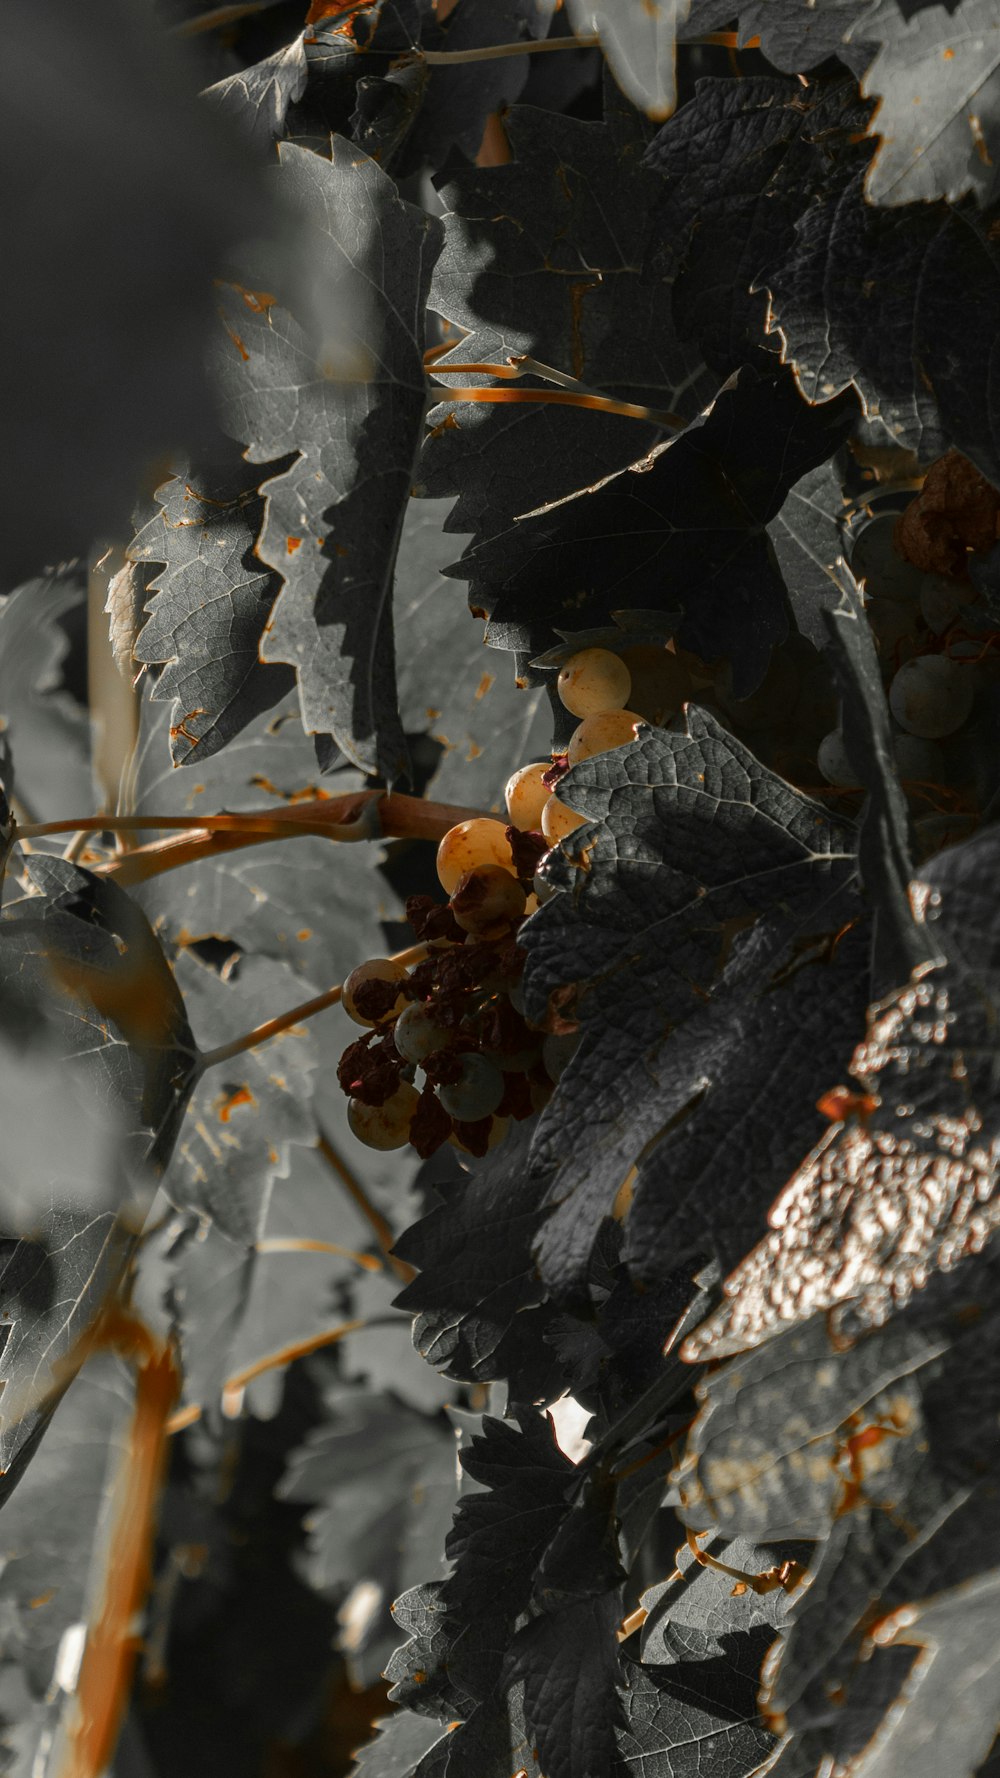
x: 476, y: 1093
x: 388, y: 1125
x: 487, y: 899
x: 831, y: 757
x: 594, y: 681
x: 526, y: 796
x: 557, y: 823
x: 417, y: 1033
x: 931, y: 696
x: 377, y: 969
x: 469, y: 844
x: 600, y: 733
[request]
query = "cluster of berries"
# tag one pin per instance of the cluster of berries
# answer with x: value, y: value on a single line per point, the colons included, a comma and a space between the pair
x: 456, y: 1016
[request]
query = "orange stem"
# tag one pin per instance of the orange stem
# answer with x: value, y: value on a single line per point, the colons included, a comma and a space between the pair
x: 90, y: 1730
x: 565, y: 398
x: 399, y: 817
x: 307, y: 1009
x: 380, y: 1228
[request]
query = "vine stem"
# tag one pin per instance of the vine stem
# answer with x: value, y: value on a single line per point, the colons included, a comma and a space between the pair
x: 295, y: 1015
x: 378, y: 1224
x: 493, y: 52
x: 234, y: 1386
x: 89, y: 1733
x: 605, y: 404
x: 392, y: 816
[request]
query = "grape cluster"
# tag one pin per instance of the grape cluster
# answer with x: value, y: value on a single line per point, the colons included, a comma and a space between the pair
x: 447, y: 1053
x: 938, y: 648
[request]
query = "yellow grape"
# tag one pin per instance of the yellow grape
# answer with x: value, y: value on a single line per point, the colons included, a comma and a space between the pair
x: 598, y: 734
x: 526, y: 796
x: 558, y: 821
x: 593, y: 681
x: 470, y: 844
x: 378, y: 969
x: 487, y: 898
x: 388, y: 1125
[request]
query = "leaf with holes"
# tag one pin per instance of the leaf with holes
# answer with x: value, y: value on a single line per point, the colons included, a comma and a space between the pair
x: 244, y: 1112
x: 907, y: 1187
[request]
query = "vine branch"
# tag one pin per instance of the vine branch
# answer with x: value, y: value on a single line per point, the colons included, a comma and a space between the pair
x: 307, y: 1009
x: 493, y: 52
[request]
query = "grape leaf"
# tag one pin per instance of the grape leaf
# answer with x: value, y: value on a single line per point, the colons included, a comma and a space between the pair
x: 244, y: 1112
x: 684, y: 526
x: 741, y: 161
x: 698, y: 1719
x: 539, y: 257
x: 400, y: 1744
x: 657, y: 901
x: 807, y: 538
x: 501, y: 1531
x: 47, y: 1541
x: 937, y: 79
x: 448, y: 688
x: 886, y: 842
x: 332, y: 520
x: 476, y: 1299
x: 903, y: 305
x: 209, y: 607
x: 876, y: 1448
x: 637, y: 37
x: 380, y: 1481
x: 706, y: 1185
x: 83, y: 952
x: 567, y: 1660
x: 796, y: 34
x: 258, y: 98
x: 882, y: 1202
x: 457, y: 101
x: 118, y: 371
x: 237, y: 1307
x: 46, y: 728
x: 309, y: 903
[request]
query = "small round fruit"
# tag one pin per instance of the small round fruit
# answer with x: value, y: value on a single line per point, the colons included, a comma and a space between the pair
x: 526, y: 796
x: 598, y: 734
x: 487, y: 899
x: 388, y: 1125
x: 558, y: 822
x: 831, y: 757
x: 418, y: 1034
x: 476, y: 1093
x: 377, y: 969
x: 931, y: 696
x: 594, y: 681
x: 469, y: 844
